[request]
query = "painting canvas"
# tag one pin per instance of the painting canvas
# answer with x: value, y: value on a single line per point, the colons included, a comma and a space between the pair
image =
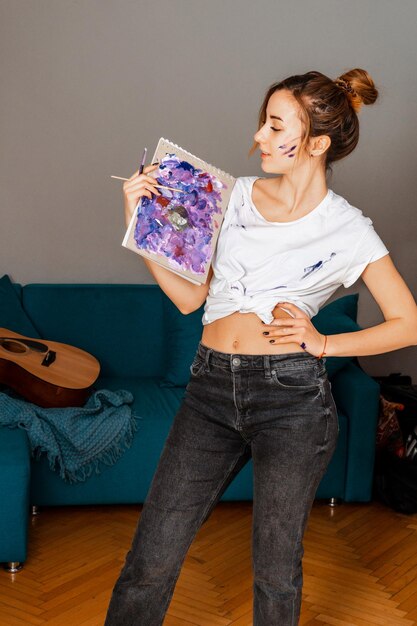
x: 179, y: 229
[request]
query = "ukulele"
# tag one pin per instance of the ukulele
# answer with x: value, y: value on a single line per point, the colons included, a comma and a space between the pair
x: 47, y: 373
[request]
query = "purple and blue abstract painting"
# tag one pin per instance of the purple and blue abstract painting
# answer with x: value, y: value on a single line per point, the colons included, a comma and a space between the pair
x: 180, y: 224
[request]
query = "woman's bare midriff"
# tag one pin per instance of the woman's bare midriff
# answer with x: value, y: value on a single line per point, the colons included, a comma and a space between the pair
x: 241, y: 333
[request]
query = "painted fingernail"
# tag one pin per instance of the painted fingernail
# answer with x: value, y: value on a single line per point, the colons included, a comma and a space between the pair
x: 266, y: 332
x: 156, y: 163
x: 272, y: 341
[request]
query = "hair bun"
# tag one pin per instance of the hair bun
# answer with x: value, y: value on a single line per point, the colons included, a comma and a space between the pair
x: 345, y: 85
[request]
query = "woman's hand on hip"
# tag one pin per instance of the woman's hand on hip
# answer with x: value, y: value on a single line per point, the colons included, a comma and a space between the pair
x: 298, y: 329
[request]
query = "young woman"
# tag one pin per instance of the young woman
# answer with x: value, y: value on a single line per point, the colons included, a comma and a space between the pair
x: 259, y: 387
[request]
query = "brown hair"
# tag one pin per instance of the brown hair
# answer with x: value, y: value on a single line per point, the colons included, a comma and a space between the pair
x: 327, y: 107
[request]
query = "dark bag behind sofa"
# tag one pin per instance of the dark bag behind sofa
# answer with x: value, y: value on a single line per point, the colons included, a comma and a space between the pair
x: 395, y: 478
x: 395, y: 482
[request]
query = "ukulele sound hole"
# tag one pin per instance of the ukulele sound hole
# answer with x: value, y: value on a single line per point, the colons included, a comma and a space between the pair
x: 13, y: 346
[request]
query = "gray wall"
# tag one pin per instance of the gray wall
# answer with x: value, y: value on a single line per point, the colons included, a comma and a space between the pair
x: 86, y: 84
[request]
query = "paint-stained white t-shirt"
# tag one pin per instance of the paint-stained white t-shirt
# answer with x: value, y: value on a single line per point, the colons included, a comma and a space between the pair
x: 258, y: 263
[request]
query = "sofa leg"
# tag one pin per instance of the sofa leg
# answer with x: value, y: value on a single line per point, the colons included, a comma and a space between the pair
x: 334, y: 502
x: 35, y: 509
x: 13, y: 566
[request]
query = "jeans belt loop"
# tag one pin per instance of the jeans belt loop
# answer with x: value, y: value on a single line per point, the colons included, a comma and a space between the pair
x: 267, y: 366
x: 209, y: 352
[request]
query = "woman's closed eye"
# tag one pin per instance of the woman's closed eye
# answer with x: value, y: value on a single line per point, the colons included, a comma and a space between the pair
x: 275, y: 129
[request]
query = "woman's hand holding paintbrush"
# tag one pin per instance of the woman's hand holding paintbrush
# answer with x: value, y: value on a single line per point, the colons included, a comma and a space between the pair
x: 137, y: 186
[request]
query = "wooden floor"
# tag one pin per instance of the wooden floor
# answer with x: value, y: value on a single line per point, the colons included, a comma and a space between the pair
x: 360, y: 568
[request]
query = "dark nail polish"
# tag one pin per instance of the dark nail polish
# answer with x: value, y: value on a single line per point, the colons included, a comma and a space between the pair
x: 272, y: 341
x: 265, y: 332
x: 156, y: 163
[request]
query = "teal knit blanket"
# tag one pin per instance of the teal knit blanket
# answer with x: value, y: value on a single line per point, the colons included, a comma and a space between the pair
x: 77, y: 439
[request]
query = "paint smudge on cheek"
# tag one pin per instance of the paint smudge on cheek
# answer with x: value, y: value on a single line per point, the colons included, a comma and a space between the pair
x: 287, y: 152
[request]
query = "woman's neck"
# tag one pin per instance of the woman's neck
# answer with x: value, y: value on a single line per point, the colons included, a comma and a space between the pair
x: 294, y: 197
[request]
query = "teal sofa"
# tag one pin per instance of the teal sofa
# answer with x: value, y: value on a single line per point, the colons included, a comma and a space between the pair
x: 145, y: 345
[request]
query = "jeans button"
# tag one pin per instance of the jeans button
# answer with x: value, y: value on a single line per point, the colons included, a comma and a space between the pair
x: 236, y: 361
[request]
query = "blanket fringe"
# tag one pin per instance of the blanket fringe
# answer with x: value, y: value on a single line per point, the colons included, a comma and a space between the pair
x: 108, y: 457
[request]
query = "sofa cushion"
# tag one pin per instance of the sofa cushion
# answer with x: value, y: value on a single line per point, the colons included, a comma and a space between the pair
x: 121, y: 325
x: 182, y: 332
x: 335, y: 318
x: 12, y: 314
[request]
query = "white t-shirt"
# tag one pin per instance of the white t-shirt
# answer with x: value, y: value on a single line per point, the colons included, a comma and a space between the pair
x: 258, y: 263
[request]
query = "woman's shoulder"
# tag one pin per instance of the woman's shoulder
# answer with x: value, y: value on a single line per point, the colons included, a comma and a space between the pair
x: 245, y: 181
x: 243, y: 185
x: 347, y: 213
x: 241, y: 188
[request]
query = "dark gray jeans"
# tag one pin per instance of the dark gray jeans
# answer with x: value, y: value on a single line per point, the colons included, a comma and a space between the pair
x: 276, y: 409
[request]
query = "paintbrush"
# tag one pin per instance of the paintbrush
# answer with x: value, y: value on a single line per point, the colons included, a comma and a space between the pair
x: 156, y: 185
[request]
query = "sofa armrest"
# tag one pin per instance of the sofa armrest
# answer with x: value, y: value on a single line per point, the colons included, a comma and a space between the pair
x: 357, y: 395
x: 15, y: 471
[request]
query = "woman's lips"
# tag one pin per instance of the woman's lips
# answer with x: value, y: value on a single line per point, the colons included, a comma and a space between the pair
x: 264, y: 155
